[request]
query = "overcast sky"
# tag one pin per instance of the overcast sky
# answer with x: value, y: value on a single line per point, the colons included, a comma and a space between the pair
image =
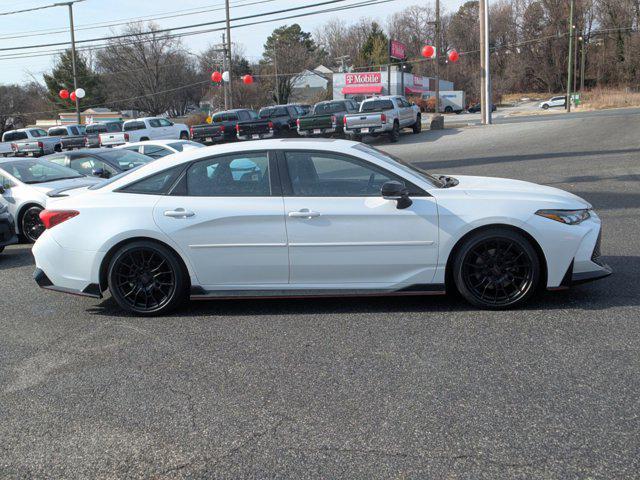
x: 93, y: 11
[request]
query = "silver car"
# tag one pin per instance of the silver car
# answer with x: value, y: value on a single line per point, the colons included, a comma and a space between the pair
x: 24, y: 185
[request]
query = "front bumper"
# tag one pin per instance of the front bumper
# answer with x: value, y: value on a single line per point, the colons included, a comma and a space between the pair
x: 7, y: 230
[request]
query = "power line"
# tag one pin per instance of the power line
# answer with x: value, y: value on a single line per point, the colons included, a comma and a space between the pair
x: 35, y: 9
x: 165, y: 30
x: 364, y: 3
x: 119, y: 22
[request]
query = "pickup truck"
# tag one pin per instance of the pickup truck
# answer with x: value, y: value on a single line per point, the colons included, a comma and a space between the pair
x: 32, y: 141
x: 383, y: 115
x: 71, y: 136
x: 326, y: 118
x: 222, y: 127
x: 148, y: 128
x: 5, y: 149
x: 95, y: 129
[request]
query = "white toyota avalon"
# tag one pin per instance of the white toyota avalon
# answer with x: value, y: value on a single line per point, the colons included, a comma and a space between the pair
x: 292, y: 217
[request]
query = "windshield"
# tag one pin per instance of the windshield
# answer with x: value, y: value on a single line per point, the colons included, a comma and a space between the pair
x: 398, y: 162
x: 104, y: 183
x: 376, y: 106
x: 188, y: 145
x: 38, y: 171
x: 126, y: 159
x: 327, y: 108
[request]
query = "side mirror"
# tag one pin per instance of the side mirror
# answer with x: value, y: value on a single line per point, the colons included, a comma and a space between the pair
x: 394, y: 190
x: 99, y: 172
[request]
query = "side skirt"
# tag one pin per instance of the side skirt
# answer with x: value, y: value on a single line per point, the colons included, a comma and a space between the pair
x: 198, y: 293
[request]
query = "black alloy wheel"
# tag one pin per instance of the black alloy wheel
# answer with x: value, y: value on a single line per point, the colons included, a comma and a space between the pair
x: 146, y: 278
x: 394, y: 135
x: 497, y: 268
x: 417, y: 127
x: 31, y: 225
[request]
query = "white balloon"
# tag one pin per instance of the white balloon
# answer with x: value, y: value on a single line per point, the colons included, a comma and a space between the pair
x: 225, y: 76
x: 80, y: 93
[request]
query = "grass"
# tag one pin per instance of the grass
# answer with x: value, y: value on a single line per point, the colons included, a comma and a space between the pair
x: 601, y: 98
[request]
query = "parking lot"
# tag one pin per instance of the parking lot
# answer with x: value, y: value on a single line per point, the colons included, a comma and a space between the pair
x: 401, y: 387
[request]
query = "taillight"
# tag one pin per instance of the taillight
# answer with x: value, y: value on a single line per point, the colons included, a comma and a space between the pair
x: 14, y: 147
x: 344, y: 121
x: 297, y: 121
x: 270, y: 124
x: 126, y: 137
x: 333, y: 119
x: 40, y: 145
x: 383, y: 117
x: 221, y: 128
x: 191, y: 131
x: 51, y: 218
x: 237, y: 128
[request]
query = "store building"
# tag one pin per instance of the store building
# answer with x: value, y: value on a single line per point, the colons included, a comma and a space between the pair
x: 360, y: 85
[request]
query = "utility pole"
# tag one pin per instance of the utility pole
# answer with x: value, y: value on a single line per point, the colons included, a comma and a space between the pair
x: 224, y: 68
x: 437, y: 72
x: 570, y: 62
x: 275, y: 67
x: 575, y: 64
x: 73, y: 56
x: 228, y: 53
x: 584, y: 47
x: 485, y: 76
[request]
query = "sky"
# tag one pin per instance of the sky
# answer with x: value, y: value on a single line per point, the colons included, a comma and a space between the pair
x: 89, y: 12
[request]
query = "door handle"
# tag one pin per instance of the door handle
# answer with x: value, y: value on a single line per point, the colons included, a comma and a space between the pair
x: 304, y: 213
x: 178, y: 213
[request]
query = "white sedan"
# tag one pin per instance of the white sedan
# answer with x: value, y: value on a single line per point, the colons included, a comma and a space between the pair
x: 160, y: 148
x: 312, y: 217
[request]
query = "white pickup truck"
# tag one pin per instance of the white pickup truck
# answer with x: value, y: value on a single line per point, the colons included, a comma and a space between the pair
x: 148, y: 128
x: 32, y: 141
x: 383, y: 115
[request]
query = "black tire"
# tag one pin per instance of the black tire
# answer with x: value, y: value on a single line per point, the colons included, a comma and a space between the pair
x: 31, y: 226
x: 448, y: 109
x: 184, y: 136
x: 545, y: 107
x: 496, y: 268
x: 147, y: 279
x: 1, y: 249
x: 394, y: 135
x: 57, y: 148
x: 144, y: 139
x: 417, y: 127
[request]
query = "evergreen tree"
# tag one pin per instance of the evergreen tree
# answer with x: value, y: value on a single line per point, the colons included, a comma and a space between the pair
x: 61, y: 77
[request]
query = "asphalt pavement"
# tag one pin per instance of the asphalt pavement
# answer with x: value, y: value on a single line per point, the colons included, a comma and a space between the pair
x: 402, y: 387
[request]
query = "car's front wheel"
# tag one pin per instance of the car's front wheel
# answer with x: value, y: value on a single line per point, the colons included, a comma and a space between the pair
x: 31, y: 225
x: 545, y: 107
x: 147, y: 278
x: 496, y: 268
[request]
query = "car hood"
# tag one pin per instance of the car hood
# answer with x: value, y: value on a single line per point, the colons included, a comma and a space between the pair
x: 508, y: 188
x: 65, y: 184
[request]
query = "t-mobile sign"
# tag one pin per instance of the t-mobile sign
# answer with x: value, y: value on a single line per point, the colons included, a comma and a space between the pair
x: 397, y: 50
x: 358, y: 78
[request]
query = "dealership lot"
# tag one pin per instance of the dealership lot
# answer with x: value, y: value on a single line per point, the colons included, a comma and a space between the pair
x: 360, y: 388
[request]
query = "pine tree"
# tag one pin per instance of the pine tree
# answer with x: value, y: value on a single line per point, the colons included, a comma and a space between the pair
x: 61, y: 77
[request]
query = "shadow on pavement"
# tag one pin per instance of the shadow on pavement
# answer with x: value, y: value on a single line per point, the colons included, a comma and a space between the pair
x: 621, y: 289
x: 408, y: 138
x: 16, y: 256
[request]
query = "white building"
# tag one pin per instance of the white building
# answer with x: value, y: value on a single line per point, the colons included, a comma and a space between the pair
x: 310, y: 84
x: 359, y: 85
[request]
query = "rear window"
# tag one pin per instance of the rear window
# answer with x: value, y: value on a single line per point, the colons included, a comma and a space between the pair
x: 129, y: 126
x: 57, y: 132
x: 100, y: 128
x: 376, y: 106
x: 12, y: 136
x: 327, y: 108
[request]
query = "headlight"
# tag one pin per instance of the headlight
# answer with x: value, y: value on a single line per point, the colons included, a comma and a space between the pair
x: 569, y: 217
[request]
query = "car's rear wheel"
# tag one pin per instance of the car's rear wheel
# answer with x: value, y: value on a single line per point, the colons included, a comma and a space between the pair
x: 147, y: 278
x: 417, y: 127
x: 394, y: 135
x: 545, y: 107
x: 31, y: 226
x: 1, y: 249
x: 496, y: 268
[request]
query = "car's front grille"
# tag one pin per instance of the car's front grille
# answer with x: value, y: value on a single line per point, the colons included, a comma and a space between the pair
x: 595, y: 256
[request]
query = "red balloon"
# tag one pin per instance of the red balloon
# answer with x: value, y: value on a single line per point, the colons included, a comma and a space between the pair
x: 247, y: 79
x: 216, y: 77
x: 64, y: 94
x: 428, y: 51
x: 454, y: 56
x: 73, y: 96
